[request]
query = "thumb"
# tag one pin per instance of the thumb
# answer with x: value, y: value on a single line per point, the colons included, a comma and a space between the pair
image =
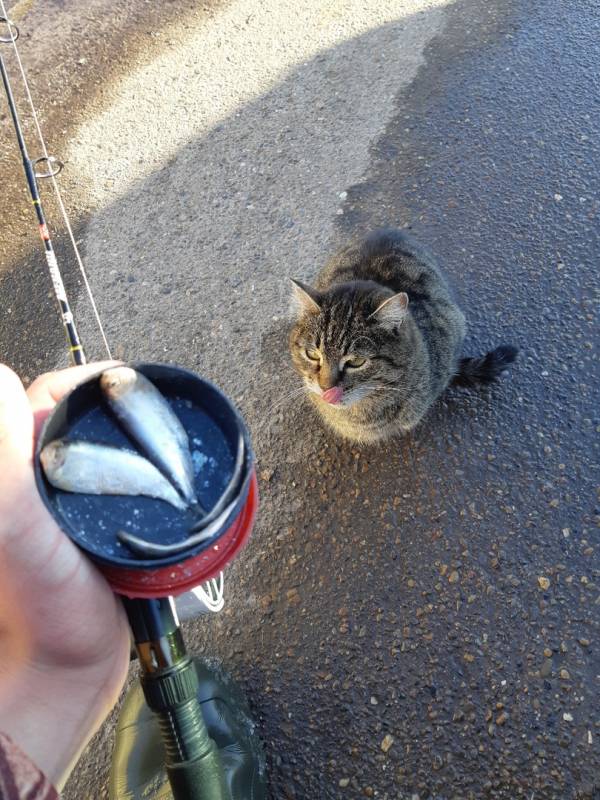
x: 16, y: 432
x: 47, y: 390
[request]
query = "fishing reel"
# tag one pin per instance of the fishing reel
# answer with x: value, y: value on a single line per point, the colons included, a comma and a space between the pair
x: 186, y: 724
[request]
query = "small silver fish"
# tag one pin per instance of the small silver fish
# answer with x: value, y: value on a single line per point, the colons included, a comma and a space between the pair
x: 150, y: 420
x: 88, y: 468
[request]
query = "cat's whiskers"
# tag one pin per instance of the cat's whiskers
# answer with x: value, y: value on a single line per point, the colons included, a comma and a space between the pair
x: 269, y: 411
x: 404, y: 390
x: 312, y: 387
x: 399, y: 388
x: 359, y: 393
x: 285, y: 398
x: 405, y: 393
x: 354, y: 396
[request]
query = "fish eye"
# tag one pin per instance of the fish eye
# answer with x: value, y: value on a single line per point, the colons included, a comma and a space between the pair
x: 312, y: 354
x: 354, y: 362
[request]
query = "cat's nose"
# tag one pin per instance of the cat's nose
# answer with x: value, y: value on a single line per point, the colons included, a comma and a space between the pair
x: 328, y: 377
x: 333, y: 395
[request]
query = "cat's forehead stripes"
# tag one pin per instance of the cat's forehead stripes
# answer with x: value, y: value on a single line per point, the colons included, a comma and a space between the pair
x: 337, y: 319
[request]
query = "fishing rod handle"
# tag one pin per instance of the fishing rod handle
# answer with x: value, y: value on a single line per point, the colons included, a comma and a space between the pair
x: 170, y: 684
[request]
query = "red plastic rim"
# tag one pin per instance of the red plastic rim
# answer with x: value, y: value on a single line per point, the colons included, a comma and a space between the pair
x: 178, y: 578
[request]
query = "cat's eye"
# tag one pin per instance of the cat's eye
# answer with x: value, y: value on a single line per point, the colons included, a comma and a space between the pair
x: 312, y: 354
x: 355, y: 362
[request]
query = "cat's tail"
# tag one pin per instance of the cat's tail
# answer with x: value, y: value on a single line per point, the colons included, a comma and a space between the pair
x: 485, y: 369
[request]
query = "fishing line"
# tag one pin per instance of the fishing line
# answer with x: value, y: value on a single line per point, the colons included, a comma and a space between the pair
x: 51, y: 173
x: 212, y: 596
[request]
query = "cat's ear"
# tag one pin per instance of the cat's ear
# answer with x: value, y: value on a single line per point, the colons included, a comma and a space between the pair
x: 304, y: 299
x: 392, y: 311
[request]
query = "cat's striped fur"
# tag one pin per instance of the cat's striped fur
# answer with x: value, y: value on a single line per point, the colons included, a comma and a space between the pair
x: 388, y: 362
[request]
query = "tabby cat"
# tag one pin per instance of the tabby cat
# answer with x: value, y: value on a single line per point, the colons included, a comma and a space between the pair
x: 379, y: 338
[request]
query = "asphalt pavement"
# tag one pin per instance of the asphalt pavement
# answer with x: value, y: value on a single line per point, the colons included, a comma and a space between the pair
x: 416, y: 620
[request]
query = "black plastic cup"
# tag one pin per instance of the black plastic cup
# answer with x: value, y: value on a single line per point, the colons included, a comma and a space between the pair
x: 213, y: 426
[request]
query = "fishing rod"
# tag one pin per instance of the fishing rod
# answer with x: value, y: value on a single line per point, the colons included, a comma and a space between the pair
x: 54, y: 166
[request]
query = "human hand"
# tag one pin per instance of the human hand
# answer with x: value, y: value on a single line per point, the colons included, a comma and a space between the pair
x: 64, y: 636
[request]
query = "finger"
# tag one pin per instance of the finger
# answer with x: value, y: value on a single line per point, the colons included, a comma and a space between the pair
x: 52, y: 386
x: 46, y: 391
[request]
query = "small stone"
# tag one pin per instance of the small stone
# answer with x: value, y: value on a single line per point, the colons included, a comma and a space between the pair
x: 584, y: 642
x: 501, y: 718
x: 368, y: 791
x: 469, y: 658
x: 543, y: 582
x: 266, y: 475
x: 387, y: 742
x: 293, y: 597
x: 568, y: 717
x: 558, y: 197
x: 453, y: 577
x: 548, y: 652
x: 344, y: 782
x: 546, y: 668
x: 374, y: 701
x: 554, y: 503
x: 565, y: 674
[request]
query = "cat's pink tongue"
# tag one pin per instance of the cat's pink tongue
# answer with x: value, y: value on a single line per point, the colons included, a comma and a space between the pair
x: 333, y: 395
